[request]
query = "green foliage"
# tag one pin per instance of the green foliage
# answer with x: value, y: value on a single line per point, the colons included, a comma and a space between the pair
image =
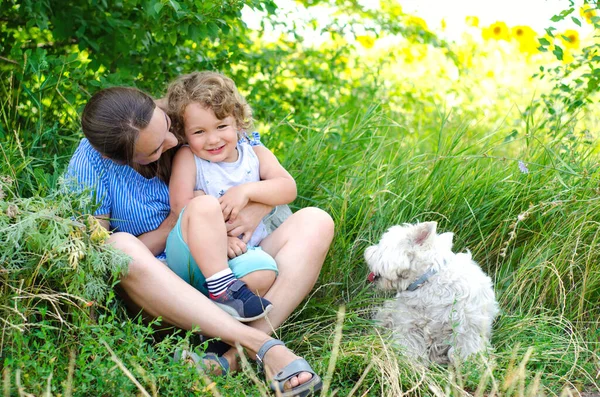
x: 369, y: 150
x: 53, y: 244
x: 576, y: 82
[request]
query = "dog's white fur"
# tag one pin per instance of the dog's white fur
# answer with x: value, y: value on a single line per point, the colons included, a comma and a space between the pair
x: 450, y: 315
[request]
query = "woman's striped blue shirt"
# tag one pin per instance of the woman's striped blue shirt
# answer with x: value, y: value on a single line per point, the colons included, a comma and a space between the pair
x: 135, y: 204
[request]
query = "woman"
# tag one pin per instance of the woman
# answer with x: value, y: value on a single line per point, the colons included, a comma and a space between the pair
x: 126, y: 159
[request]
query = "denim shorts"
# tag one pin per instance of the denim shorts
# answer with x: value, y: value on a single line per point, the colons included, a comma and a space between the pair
x: 180, y: 260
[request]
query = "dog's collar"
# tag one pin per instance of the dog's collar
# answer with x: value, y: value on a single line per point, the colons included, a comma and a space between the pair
x: 423, y: 279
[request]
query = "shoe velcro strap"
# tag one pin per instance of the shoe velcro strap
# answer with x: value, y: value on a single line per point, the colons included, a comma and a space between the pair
x: 260, y: 355
x: 236, y: 285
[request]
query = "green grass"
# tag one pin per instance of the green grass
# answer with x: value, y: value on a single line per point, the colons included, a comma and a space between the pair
x: 535, y: 233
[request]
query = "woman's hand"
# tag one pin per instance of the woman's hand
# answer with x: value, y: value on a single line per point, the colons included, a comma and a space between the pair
x: 247, y: 220
x: 156, y: 240
x: 232, y: 202
x: 235, y: 247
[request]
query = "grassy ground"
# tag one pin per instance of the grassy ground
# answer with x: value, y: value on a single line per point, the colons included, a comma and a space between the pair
x: 523, y: 201
x: 534, y: 231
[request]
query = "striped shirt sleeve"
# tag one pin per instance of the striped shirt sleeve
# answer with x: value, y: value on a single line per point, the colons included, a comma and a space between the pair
x: 87, y: 172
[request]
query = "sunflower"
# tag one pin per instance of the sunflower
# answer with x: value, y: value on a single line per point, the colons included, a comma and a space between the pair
x: 587, y: 12
x: 416, y: 21
x: 472, y: 21
x: 366, y: 41
x: 391, y: 7
x: 526, y: 37
x: 567, y: 57
x: 570, y: 39
x: 496, y: 31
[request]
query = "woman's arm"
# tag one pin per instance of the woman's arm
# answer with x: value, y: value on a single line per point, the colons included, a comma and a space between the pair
x: 276, y: 187
x: 183, y: 180
x: 156, y: 240
x: 247, y: 221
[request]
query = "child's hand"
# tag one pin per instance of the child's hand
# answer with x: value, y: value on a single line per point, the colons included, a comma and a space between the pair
x: 235, y: 247
x: 233, y: 201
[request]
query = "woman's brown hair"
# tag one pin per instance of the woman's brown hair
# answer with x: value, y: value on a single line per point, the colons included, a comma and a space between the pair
x: 112, y: 120
x: 211, y: 90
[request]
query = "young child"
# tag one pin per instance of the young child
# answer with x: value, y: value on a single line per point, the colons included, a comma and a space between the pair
x: 210, y: 116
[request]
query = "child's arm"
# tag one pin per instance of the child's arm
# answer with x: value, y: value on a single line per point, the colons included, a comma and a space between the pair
x: 276, y: 186
x: 183, y: 179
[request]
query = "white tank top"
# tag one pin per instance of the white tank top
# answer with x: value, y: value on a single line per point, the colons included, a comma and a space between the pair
x: 215, y: 178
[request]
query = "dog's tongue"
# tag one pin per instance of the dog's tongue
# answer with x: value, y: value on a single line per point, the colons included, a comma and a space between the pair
x: 371, y: 277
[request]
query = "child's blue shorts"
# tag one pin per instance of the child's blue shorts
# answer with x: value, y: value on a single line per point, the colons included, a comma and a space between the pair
x: 180, y: 260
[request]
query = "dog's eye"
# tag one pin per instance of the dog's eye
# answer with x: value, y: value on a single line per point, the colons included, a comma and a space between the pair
x: 402, y: 275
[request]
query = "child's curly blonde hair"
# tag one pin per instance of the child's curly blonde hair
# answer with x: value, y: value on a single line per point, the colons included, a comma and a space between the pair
x: 211, y: 90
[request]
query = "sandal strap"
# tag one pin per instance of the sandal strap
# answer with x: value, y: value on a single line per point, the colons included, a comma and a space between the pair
x: 181, y: 355
x: 292, y: 369
x: 260, y: 354
x: 222, y: 361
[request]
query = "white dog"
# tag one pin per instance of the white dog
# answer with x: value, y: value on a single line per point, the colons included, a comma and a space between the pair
x: 445, y: 304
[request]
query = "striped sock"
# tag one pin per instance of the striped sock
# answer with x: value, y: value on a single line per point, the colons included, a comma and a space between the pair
x: 218, y: 282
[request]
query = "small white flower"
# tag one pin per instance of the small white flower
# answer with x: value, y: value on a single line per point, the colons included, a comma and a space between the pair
x: 523, y: 167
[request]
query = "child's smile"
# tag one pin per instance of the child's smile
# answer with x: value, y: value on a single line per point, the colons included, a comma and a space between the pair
x: 210, y: 138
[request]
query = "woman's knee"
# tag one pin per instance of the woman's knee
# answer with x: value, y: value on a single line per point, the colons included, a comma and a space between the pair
x: 260, y: 281
x: 140, y: 256
x: 318, y: 224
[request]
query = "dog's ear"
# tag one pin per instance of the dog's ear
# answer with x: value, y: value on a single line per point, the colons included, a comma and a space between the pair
x: 424, y: 231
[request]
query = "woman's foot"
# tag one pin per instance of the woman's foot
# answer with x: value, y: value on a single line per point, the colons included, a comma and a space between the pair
x: 276, y: 359
x: 207, y: 363
x: 288, y: 373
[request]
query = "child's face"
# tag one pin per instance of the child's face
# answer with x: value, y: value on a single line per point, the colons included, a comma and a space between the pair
x: 210, y: 138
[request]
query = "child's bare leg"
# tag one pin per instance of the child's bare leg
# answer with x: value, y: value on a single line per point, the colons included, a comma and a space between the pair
x: 203, y: 230
x: 202, y: 224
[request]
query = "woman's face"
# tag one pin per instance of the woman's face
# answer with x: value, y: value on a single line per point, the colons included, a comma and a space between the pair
x: 153, y: 140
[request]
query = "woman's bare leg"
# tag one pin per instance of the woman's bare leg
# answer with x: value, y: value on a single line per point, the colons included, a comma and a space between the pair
x: 299, y: 247
x: 152, y: 286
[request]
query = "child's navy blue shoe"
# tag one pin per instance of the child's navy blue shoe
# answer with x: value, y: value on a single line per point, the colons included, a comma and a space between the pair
x: 241, y: 303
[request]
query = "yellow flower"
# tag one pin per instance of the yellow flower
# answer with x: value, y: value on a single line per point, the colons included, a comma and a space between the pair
x: 391, y: 7
x: 412, y: 20
x: 407, y: 55
x: 526, y: 37
x: 567, y: 57
x: 587, y: 12
x: 366, y: 41
x: 570, y: 39
x: 472, y: 21
x: 496, y: 31
x: 443, y: 24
